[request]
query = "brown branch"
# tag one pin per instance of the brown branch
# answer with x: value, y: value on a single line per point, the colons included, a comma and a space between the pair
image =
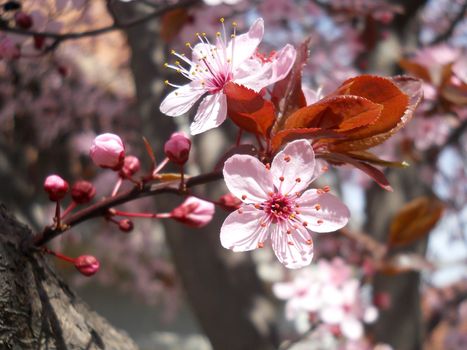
x: 101, y: 208
x: 115, y: 26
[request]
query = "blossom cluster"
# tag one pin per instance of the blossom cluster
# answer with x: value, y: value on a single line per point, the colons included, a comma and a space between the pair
x: 328, y: 296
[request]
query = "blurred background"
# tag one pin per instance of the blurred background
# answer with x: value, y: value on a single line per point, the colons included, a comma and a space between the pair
x: 174, y: 287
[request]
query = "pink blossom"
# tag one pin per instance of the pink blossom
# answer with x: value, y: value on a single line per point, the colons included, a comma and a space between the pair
x: 329, y: 293
x: 213, y: 66
x: 275, y: 207
x: 194, y: 212
x: 177, y: 148
x: 108, y: 151
x: 56, y: 187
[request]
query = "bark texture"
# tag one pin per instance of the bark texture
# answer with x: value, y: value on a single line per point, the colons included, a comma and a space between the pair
x: 37, y: 309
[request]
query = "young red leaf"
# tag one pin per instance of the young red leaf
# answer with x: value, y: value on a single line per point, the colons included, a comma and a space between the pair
x: 339, y: 113
x: 415, y: 220
x: 249, y: 110
x: 287, y: 94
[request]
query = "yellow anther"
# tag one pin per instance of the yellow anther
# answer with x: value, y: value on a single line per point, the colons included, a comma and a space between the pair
x: 222, y: 20
x: 234, y: 24
x: 172, y: 52
x: 218, y: 34
x: 204, y: 34
x: 232, y: 36
x: 177, y: 63
x: 187, y: 44
x: 166, y: 64
x: 166, y: 82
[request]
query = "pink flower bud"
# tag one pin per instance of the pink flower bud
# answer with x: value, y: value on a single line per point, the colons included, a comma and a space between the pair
x: 56, y: 187
x: 87, y: 265
x: 194, y: 212
x: 83, y: 191
x: 131, y: 166
x: 230, y: 202
x: 108, y: 151
x: 23, y: 20
x: 177, y: 148
x: 125, y: 225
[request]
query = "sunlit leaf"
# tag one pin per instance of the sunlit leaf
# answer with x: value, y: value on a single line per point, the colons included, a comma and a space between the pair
x: 399, y: 97
x: 249, y: 110
x: 415, y: 220
x: 288, y: 135
x: 339, y: 113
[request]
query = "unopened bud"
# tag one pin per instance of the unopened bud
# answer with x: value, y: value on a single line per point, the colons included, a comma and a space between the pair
x: 131, y: 166
x: 87, y: 265
x: 23, y: 20
x: 194, y: 212
x: 56, y: 187
x: 177, y: 148
x: 229, y: 202
x: 125, y: 225
x: 83, y: 192
x: 108, y: 151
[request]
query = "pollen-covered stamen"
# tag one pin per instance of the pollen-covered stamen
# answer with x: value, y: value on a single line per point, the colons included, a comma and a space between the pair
x: 278, y: 207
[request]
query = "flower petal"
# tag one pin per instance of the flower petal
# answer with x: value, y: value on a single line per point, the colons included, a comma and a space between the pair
x: 322, y: 212
x: 294, y: 250
x: 181, y: 100
x: 211, y: 113
x: 256, y: 75
x: 241, y: 230
x: 295, y: 164
x: 244, y: 45
x: 245, y: 175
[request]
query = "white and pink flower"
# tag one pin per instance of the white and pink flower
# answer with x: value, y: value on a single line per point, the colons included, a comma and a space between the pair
x: 275, y: 206
x: 213, y: 66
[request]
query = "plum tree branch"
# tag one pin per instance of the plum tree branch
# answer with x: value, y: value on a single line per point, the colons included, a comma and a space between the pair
x: 138, y: 191
x: 58, y: 37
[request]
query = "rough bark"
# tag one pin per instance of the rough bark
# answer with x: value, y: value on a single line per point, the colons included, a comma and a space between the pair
x: 226, y: 296
x: 37, y: 309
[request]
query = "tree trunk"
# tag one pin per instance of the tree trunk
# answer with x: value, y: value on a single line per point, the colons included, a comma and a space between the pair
x: 37, y: 309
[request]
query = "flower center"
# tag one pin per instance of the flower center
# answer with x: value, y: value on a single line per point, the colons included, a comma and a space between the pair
x: 279, y: 207
x: 211, y: 65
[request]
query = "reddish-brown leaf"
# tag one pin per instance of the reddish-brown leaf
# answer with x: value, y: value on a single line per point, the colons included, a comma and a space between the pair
x: 415, y: 220
x: 172, y: 22
x: 416, y: 69
x: 287, y: 94
x: 369, y: 157
x: 249, y: 110
x: 374, y: 173
x: 399, y: 96
x: 339, y: 113
x: 289, y: 135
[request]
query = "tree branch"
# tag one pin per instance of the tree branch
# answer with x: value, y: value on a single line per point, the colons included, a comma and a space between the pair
x: 101, y: 208
x: 115, y: 26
